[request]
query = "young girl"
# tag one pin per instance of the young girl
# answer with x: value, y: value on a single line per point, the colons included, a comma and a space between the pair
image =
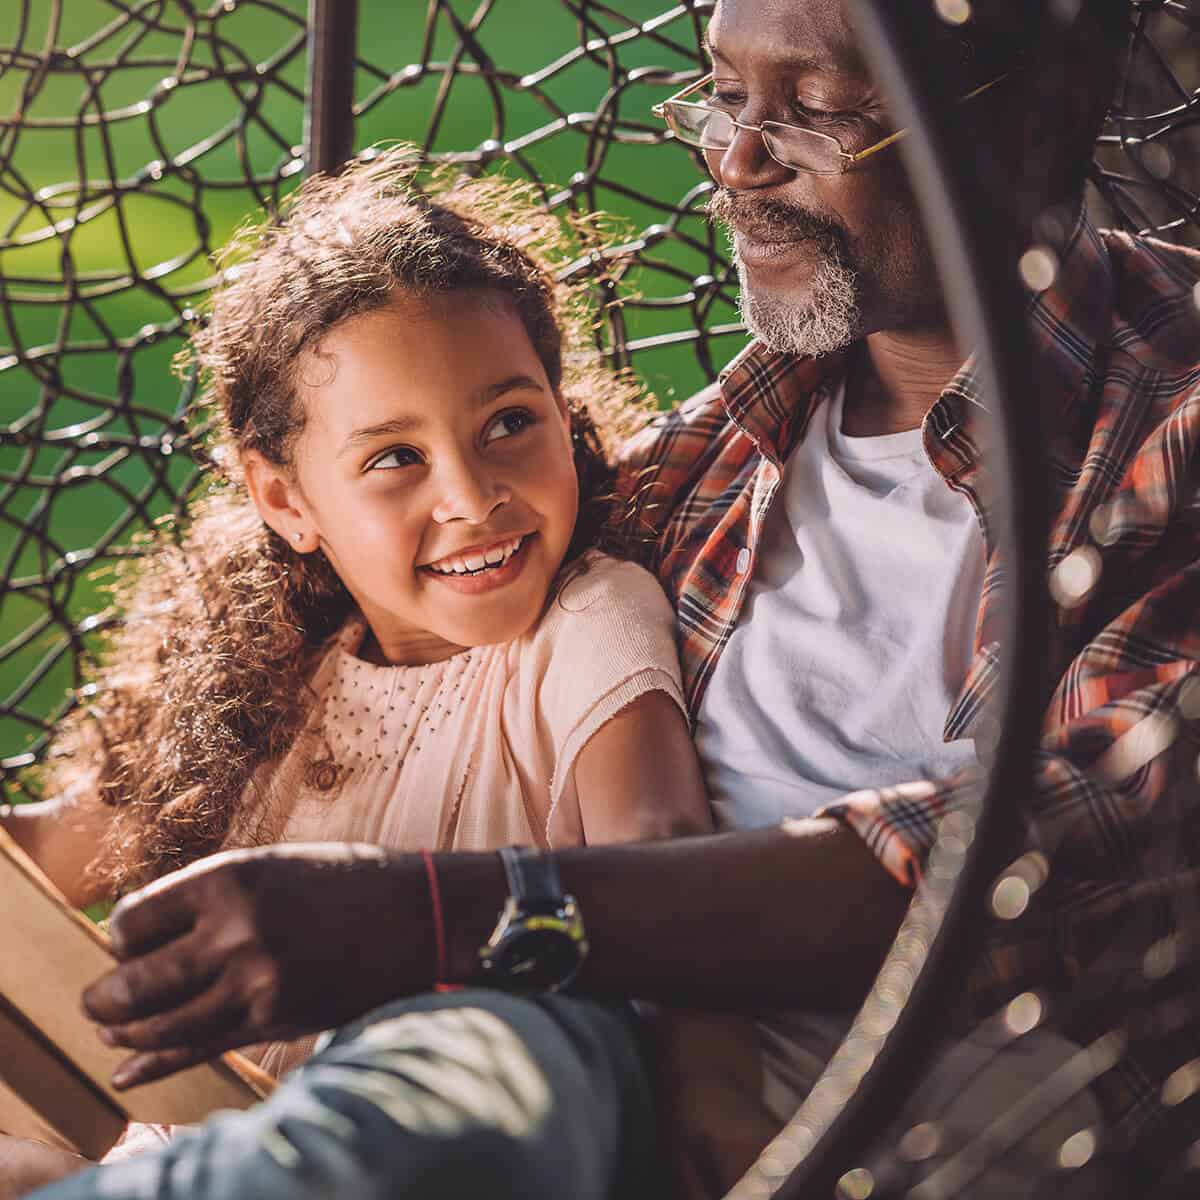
x: 392, y: 619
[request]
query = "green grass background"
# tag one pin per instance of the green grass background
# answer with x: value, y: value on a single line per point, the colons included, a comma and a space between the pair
x: 167, y: 229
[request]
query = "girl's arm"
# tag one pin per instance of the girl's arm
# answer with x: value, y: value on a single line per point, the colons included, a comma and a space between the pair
x: 638, y: 778
x: 63, y: 837
x: 26, y: 1165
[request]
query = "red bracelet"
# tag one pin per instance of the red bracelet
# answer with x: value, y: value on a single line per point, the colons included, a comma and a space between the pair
x: 439, y: 925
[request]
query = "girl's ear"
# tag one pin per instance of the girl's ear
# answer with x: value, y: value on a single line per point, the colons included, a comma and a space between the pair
x: 279, y: 502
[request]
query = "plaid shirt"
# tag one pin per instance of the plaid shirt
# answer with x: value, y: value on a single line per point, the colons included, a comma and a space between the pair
x: 1118, y: 358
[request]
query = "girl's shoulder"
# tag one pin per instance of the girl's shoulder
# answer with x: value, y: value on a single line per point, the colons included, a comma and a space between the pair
x: 609, y: 619
x: 603, y: 591
x: 606, y: 639
x: 331, y: 657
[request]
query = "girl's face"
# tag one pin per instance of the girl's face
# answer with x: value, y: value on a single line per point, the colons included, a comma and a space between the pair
x: 435, y: 471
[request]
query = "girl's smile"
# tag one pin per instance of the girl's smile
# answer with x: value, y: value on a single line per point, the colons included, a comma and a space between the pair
x: 480, y: 569
x: 434, y: 471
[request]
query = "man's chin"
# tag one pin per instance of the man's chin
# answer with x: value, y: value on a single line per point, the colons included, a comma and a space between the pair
x: 799, y: 307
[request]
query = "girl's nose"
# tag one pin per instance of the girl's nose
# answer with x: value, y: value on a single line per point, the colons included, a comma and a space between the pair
x: 469, y: 493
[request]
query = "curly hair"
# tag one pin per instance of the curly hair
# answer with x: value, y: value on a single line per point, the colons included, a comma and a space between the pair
x: 206, y: 676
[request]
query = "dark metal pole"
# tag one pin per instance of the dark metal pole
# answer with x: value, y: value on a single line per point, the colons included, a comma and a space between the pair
x: 328, y: 115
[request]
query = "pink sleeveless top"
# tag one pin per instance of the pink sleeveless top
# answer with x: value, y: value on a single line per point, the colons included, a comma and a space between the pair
x: 473, y: 753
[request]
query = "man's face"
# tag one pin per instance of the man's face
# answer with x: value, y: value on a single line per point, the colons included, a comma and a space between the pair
x: 822, y: 260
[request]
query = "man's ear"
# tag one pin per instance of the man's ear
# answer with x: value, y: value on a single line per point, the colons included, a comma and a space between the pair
x: 280, y: 502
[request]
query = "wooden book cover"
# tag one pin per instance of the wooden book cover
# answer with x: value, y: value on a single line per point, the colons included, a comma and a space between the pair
x: 54, y: 1070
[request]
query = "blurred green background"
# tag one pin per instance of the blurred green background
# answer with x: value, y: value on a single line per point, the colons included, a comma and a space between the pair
x: 117, y: 187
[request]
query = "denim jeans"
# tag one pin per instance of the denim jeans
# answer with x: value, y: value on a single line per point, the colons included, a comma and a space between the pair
x: 478, y: 1093
x: 473, y: 1093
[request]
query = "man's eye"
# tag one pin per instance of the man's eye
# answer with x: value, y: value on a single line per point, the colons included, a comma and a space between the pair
x: 508, y: 423
x: 725, y: 99
x: 823, y: 116
x: 398, y: 456
x: 729, y: 100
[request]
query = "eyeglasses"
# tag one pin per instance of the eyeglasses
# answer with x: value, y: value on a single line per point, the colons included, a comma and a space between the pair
x: 793, y: 146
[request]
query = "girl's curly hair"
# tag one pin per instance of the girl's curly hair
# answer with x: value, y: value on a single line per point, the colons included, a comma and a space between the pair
x: 206, y: 677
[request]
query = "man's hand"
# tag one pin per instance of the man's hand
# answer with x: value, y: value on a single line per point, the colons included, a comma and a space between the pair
x: 270, y: 943
x: 256, y: 945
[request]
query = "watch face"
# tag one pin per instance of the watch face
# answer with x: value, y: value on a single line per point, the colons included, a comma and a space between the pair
x: 536, y: 960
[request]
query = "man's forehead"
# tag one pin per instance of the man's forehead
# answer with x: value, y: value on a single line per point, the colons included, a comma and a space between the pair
x: 804, y: 34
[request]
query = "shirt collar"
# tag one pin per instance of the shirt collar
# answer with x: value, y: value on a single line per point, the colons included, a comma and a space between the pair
x: 771, y: 395
x: 1069, y: 323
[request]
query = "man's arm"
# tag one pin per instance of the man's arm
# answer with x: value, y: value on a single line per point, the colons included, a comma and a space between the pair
x: 802, y: 916
x: 243, y: 947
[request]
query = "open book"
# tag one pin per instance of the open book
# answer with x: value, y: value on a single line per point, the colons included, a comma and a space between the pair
x: 54, y: 1070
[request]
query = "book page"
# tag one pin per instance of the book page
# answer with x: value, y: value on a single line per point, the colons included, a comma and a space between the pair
x: 49, y: 954
x: 55, y: 1103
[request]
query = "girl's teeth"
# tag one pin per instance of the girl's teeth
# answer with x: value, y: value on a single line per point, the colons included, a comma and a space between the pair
x: 476, y: 562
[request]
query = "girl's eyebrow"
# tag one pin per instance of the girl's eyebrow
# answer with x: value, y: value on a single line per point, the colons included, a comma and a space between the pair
x: 368, y: 433
x: 406, y: 424
x: 511, y: 384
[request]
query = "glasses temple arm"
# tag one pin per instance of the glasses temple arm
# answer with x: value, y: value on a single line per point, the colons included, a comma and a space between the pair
x: 895, y: 137
x: 891, y: 140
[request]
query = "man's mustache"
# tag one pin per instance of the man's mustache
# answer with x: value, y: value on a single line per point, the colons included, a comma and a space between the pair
x: 767, y: 220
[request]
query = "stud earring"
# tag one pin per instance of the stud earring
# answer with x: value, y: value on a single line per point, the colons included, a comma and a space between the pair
x: 297, y: 536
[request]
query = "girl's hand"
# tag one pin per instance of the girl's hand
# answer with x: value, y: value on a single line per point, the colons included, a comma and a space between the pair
x: 26, y: 1165
x: 257, y: 945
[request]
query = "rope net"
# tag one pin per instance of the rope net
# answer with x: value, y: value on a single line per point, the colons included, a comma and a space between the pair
x: 136, y: 134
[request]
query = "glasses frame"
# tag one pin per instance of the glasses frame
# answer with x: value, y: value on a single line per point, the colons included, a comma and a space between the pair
x: 846, y: 159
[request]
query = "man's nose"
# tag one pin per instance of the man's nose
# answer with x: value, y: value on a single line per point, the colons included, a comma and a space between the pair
x: 468, y: 492
x: 745, y: 163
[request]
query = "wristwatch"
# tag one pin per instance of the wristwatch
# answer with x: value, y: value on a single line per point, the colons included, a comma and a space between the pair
x: 539, y: 944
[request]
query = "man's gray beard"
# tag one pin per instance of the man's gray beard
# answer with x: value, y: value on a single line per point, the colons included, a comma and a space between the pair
x: 828, y: 320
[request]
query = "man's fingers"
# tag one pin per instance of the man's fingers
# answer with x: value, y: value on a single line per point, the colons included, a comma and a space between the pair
x: 149, y: 1065
x: 156, y: 1064
x: 212, y: 1015
x: 147, y: 919
x: 165, y: 978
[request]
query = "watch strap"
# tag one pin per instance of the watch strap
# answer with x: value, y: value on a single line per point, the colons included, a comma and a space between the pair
x: 532, y: 876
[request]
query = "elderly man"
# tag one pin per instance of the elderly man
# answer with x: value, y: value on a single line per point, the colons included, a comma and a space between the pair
x: 821, y: 531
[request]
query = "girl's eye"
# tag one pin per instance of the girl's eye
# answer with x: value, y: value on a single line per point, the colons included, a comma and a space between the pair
x: 508, y: 423
x: 398, y: 456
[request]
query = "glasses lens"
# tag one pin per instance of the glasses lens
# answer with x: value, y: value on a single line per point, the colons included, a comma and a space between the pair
x: 802, y: 149
x: 699, y: 126
x: 712, y: 129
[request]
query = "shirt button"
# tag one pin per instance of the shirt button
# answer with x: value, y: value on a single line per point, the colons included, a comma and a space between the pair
x: 743, y: 561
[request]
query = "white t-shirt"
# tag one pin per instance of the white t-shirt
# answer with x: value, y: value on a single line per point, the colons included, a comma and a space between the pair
x: 855, y: 639
x: 856, y: 635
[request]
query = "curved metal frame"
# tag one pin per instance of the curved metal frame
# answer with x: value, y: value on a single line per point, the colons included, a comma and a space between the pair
x: 962, y: 213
